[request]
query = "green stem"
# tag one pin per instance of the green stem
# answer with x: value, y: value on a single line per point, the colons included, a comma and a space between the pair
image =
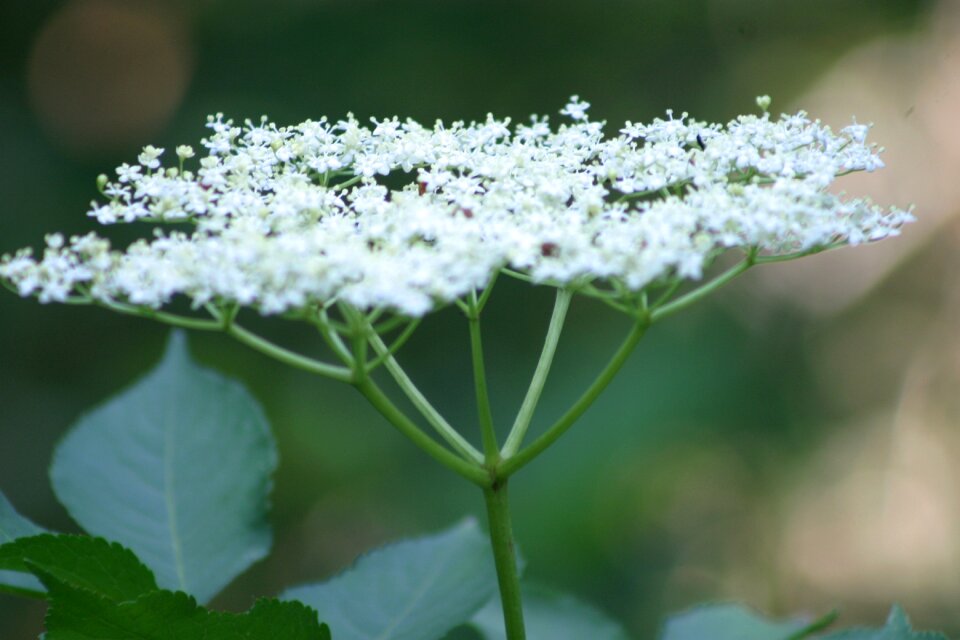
x: 488, y: 435
x: 469, y: 470
x: 359, y: 342
x: 358, y: 327
x: 816, y: 626
x: 328, y: 331
x: 525, y: 415
x: 668, y: 292
x: 688, y: 299
x: 9, y: 286
x: 289, y: 357
x: 505, y: 559
x: 485, y: 296
x: 799, y: 254
x: 535, y: 448
x: 162, y: 316
x: 390, y: 324
x: 347, y: 183
x: 518, y: 275
x: 608, y: 298
x: 437, y: 421
x: 394, y: 347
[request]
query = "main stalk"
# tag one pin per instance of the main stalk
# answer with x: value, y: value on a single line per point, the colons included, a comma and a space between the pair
x: 505, y: 557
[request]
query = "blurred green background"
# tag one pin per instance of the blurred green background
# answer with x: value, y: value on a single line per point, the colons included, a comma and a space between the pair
x: 792, y: 443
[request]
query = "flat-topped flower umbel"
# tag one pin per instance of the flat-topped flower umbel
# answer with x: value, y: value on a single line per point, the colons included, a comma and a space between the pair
x: 361, y: 230
x: 407, y: 218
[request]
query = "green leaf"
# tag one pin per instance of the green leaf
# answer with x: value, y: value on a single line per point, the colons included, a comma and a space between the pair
x: 13, y: 526
x: 412, y: 590
x: 80, y: 562
x: 177, y: 468
x: 897, y: 628
x: 728, y: 622
x: 167, y: 615
x: 550, y: 615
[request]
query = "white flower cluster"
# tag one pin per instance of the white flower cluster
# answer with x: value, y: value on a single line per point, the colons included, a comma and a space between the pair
x: 401, y: 216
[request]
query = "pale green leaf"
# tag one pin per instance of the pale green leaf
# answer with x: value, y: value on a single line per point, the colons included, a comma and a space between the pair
x: 897, y: 628
x: 13, y: 526
x: 727, y: 622
x: 177, y: 468
x: 413, y: 590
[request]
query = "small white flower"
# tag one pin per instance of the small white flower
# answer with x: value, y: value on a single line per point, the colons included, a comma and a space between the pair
x: 128, y: 173
x: 150, y: 158
x: 54, y: 240
x: 576, y: 109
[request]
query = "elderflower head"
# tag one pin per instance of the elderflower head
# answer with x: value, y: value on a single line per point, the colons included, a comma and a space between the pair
x: 282, y: 218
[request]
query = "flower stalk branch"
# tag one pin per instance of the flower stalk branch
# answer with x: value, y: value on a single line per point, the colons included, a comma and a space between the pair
x: 532, y: 398
x: 488, y: 435
x: 385, y: 352
x: 703, y: 291
x: 553, y: 433
x: 281, y: 354
x: 469, y: 470
x: 433, y: 417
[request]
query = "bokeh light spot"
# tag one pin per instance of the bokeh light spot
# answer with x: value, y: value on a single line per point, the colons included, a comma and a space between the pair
x: 105, y: 74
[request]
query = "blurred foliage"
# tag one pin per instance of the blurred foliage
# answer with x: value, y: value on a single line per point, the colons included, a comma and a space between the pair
x: 675, y: 472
